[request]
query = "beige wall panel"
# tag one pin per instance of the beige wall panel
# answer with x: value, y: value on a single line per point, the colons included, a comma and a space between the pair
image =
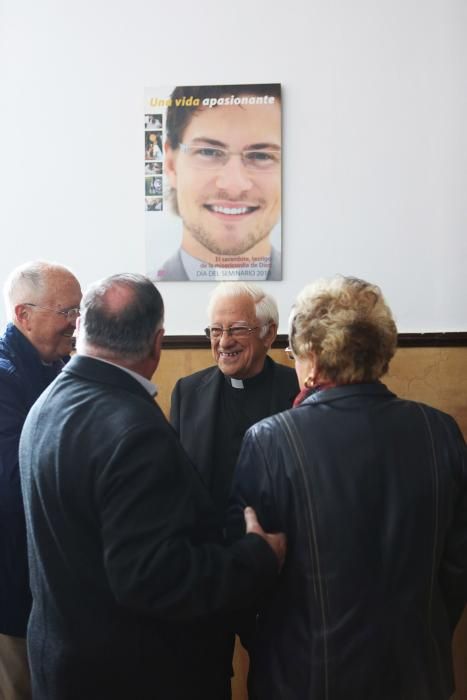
x: 175, y: 364
x: 436, y: 376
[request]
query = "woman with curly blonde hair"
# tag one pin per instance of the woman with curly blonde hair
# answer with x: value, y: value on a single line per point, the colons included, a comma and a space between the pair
x: 371, y: 491
x: 342, y: 331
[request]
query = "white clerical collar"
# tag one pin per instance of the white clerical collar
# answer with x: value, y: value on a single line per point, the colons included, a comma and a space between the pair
x: 145, y: 383
x: 237, y: 383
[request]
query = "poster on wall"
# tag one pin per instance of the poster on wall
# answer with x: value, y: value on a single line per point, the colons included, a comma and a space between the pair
x: 212, y: 182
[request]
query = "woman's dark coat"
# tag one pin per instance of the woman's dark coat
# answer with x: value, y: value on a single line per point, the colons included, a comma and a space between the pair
x: 372, y: 493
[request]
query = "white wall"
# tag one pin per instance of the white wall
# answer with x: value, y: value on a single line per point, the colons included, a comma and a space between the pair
x: 375, y: 108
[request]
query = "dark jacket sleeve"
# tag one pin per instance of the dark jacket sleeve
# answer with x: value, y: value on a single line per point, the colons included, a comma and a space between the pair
x: 149, y: 498
x: 252, y: 486
x: 175, y: 401
x: 453, y: 571
x: 12, y: 417
x: 253, y: 482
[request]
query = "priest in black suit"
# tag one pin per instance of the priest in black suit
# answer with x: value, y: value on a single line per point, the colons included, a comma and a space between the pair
x: 212, y: 409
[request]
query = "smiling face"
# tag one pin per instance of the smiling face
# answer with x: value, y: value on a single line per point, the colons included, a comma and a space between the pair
x: 244, y: 357
x: 229, y: 209
x: 51, y: 333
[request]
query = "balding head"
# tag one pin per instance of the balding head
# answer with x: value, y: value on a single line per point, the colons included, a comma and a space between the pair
x: 121, y: 316
x: 38, y: 296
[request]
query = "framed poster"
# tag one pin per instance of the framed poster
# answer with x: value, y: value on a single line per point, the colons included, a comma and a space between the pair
x: 212, y: 182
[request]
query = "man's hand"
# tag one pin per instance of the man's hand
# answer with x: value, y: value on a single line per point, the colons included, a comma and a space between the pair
x: 277, y: 542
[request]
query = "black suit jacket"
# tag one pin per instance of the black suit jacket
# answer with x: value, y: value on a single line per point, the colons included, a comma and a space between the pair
x: 127, y: 575
x: 195, y: 402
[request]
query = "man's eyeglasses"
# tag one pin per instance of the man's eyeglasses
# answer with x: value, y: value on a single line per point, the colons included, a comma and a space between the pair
x: 289, y: 353
x: 70, y: 314
x: 234, y: 331
x: 213, y: 157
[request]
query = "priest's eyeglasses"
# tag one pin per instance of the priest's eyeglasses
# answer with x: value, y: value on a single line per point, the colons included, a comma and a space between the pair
x: 213, y: 157
x: 234, y: 331
x: 70, y: 314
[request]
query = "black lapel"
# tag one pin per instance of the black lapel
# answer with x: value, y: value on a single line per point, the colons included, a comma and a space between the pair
x: 284, y: 388
x: 104, y: 373
x: 203, y: 422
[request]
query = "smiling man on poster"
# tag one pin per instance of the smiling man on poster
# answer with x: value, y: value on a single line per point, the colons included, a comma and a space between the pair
x: 223, y: 164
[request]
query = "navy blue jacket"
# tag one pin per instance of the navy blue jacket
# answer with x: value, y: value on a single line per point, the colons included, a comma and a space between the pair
x: 371, y: 491
x: 23, y: 378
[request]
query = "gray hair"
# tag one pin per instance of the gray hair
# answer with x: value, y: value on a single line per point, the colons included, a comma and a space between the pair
x: 120, y: 316
x: 265, y: 305
x: 347, y: 324
x: 28, y: 282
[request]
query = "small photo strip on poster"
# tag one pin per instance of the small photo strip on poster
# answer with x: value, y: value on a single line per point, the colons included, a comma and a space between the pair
x: 153, y: 203
x: 153, y: 186
x: 153, y: 183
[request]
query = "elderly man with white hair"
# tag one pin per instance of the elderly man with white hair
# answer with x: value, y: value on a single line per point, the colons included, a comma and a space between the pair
x: 42, y: 301
x: 212, y: 409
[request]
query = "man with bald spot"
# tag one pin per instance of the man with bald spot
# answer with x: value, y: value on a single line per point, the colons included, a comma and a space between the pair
x: 128, y: 572
x: 42, y: 301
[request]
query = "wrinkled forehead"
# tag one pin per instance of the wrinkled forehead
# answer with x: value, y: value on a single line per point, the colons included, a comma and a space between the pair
x: 231, y: 309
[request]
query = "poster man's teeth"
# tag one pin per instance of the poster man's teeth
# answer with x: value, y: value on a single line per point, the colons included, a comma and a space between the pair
x: 231, y: 211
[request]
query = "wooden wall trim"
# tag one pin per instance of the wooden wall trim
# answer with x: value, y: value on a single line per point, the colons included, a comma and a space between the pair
x: 404, y: 340
x: 432, y: 340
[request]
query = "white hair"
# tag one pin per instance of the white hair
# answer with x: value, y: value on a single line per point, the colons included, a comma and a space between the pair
x: 28, y: 282
x: 265, y: 305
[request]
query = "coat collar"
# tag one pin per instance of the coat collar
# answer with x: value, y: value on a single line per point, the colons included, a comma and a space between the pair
x: 214, y: 381
x: 347, y: 391
x: 208, y: 391
x: 105, y: 373
x: 14, y: 342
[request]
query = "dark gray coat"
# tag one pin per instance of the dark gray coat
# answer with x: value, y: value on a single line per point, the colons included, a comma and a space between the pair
x: 372, y: 493
x: 127, y: 577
